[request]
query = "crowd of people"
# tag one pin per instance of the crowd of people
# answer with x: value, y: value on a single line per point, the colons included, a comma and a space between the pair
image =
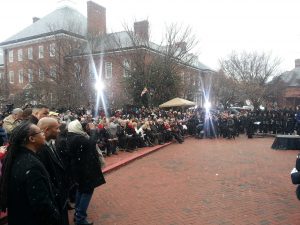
x: 52, y: 159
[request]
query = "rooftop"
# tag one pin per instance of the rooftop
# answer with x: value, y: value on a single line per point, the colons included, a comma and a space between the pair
x: 65, y: 18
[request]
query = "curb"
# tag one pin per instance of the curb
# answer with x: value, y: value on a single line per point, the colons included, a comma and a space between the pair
x: 137, y: 155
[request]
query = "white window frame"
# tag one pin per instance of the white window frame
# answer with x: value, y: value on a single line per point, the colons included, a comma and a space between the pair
x: 77, y: 70
x: 53, y: 71
x: 30, y: 76
x: 52, y: 50
x: 182, y: 77
x: 20, y: 55
x: 41, y: 74
x: 41, y: 52
x: 11, y: 77
x: 126, y: 67
x: 21, y: 77
x: 30, y: 53
x: 108, y: 70
x: 11, y: 56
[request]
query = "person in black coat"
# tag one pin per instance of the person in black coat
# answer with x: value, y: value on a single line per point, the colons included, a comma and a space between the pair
x: 54, y: 165
x: 25, y: 186
x: 38, y: 112
x: 85, y: 165
x: 64, y: 153
x: 3, y: 134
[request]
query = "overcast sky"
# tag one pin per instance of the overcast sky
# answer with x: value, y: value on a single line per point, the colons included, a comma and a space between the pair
x: 220, y: 25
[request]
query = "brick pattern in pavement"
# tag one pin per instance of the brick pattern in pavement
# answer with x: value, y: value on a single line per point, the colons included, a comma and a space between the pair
x: 241, y: 181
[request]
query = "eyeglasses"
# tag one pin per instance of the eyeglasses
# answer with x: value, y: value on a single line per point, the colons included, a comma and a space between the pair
x: 40, y: 132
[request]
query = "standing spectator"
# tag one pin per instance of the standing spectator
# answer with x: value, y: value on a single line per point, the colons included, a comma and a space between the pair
x: 86, y: 167
x: 298, y: 119
x: 26, y: 113
x: 64, y: 153
x: 25, y: 187
x: 13, y: 120
x: 54, y: 165
x: 38, y: 112
x: 3, y: 134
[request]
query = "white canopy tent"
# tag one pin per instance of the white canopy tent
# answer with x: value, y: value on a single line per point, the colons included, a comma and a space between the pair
x: 177, y: 102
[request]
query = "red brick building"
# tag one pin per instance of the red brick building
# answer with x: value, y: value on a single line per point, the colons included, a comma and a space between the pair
x: 57, y: 58
x: 291, y: 90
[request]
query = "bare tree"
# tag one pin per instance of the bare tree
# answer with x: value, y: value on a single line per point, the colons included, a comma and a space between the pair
x: 251, y: 71
x: 225, y: 89
x: 60, y: 77
x: 156, y: 66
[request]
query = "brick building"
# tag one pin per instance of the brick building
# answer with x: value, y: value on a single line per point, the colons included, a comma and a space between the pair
x: 291, y: 90
x: 58, y: 58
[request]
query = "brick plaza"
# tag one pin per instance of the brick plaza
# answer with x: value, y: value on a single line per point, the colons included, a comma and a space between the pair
x: 241, y: 181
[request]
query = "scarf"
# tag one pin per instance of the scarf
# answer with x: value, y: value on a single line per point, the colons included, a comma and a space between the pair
x: 76, y: 127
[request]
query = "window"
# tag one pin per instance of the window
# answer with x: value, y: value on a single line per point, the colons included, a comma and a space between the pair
x: 53, y: 71
x: 20, y: 55
x: 30, y: 76
x: 182, y: 76
x: 1, y: 76
x: 77, y: 70
x: 41, y: 51
x: 21, y: 77
x: 41, y: 74
x: 126, y: 67
x: 29, y: 51
x: 108, y: 70
x: 11, y: 56
x: 52, y: 50
x: 11, y: 77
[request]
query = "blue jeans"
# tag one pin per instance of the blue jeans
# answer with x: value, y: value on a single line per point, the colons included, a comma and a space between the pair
x: 81, y: 206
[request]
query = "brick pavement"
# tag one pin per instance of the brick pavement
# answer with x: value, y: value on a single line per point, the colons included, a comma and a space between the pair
x: 240, y: 181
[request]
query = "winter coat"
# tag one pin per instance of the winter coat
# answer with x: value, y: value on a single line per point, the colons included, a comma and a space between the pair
x: 85, y: 163
x: 3, y: 136
x: 30, y: 197
x: 9, y: 123
x: 58, y: 177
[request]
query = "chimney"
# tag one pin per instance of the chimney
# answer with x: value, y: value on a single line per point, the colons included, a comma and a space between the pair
x: 96, y: 19
x: 141, y: 29
x: 297, y: 63
x: 34, y: 19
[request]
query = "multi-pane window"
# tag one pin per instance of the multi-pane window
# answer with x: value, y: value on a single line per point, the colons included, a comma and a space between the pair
x: 21, y: 77
x: 20, y: 55
x: 41, y: 51
x: 11, y: 56
x: 30, y: 76
x: 108, y: 70
x: 29, y: 52
x: 52, y: 50
x: 77, y: 69
x: 11, y: 77
x: 182, y: 76
x: 126, y: 67
x: 41, y: 74
x: 53, y: 71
